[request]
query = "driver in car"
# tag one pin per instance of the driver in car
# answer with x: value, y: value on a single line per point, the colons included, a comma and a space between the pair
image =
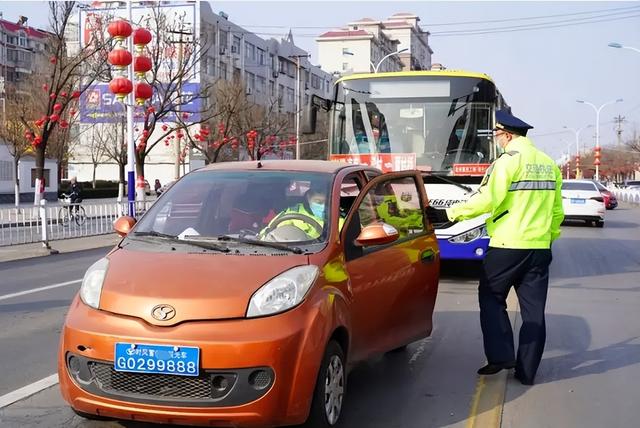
x: 308, y: 216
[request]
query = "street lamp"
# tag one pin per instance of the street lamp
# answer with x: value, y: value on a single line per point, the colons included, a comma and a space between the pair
x: 597, y: 110
x: 577, y: 132
x: 621, y: 46
x: 375, y: 67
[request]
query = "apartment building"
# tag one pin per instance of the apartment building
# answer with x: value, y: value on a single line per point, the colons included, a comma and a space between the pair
x: 369, y: 45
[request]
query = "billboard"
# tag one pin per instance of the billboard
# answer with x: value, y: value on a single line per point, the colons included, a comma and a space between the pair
x: 180, y: 23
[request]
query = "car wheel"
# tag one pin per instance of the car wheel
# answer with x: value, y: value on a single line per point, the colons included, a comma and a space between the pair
x: 328, y: 396
x: 599, y: 223
x: 89, y: 416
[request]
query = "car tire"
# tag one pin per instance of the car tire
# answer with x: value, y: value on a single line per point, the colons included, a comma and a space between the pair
x: 90, y: 416
x: 599, y: 223
x: 330, y: 386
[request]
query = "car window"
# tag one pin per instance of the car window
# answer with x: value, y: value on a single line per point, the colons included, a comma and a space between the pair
x: 573, y: 185
x: 395, y: 202
x: 349, y: 191
x: 213, y: 203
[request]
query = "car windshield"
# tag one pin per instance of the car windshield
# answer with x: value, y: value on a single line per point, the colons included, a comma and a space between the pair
x: 569, y: 185
x: 599, y: 185
x: 243, y: 205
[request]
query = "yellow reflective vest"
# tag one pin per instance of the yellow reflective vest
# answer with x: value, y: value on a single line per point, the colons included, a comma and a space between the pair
x: 304, y: 226
x: 521, y: 190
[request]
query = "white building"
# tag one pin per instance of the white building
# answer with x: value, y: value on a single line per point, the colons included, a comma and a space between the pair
x: 27, y: 176
x: 363, y: 45
x: 267, y: 67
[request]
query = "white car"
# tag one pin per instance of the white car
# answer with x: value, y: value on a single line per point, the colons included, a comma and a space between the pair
x: 581, y: 200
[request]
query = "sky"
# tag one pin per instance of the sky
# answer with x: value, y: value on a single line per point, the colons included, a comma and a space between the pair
x: 541, y: 71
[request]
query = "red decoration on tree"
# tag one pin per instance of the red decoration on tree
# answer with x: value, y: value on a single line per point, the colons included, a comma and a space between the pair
x: 121, y: 87
x: 57, y: 107
x: 54, y: 117
x: 45, y: 87
x: 143, y: 92
x: 119, y: 58
x: 151, y: 109
x: 165, y: 127
x: 119, y: 30
x: 63, y: 94
x: 185, y: 115
x: 52, y: 96
x: 64, y: 124
x: 53, y: 60
x: 75, y: 94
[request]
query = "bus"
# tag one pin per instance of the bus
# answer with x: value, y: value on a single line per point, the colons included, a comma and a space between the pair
x: 439, y: 122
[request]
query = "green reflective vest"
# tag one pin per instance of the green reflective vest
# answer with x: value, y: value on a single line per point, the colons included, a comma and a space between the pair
x: 521, y: 190
x: 402, y: 219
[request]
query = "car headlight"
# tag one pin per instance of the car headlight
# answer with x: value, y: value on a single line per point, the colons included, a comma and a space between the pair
x: 471, y: 235
x: 283, y: 292
x: 92, y: 283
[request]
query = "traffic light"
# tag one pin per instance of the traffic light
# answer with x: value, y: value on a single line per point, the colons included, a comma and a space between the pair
x: 596, y: 155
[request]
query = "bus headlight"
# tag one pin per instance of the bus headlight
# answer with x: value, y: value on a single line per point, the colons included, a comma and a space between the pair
x: 469, y: 236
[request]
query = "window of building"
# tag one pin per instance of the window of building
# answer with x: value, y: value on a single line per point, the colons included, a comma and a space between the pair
x: 345, y: 66
x: 235, y: 47
x: 224, y: 40
x: 260, y: 57
x: 249, y: 51
x: 290, y: 95
x: 250, y: 81
x: 260, y: 84
x: 22, y: 39
x: 272, y: 88
x: 223, y: 70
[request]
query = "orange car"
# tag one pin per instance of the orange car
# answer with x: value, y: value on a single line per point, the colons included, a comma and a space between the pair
x: 245, y: 293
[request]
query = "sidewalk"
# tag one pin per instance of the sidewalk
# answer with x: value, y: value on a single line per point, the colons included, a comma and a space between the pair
x: 25, y: 251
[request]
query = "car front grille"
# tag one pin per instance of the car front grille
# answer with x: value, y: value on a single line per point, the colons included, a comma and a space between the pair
x: 151, y: 384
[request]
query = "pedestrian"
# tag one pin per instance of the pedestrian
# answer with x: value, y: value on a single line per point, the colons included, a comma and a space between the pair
x: 157, y: 186
x: 521, y: 191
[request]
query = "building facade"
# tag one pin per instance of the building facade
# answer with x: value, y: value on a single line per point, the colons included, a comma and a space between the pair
x: 368, y: 45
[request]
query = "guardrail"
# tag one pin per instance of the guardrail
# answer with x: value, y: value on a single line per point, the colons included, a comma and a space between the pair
x: 626, y: 195
x: 25, y: 225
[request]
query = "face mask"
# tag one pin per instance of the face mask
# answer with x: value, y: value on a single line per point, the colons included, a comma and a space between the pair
x: 317, y: 209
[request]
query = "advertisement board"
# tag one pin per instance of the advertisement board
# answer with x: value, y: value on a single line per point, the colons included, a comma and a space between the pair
x: 386, y: 162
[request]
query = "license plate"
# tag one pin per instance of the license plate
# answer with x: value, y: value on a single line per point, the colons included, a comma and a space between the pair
x: 164, y: 359
x: 577, y: 201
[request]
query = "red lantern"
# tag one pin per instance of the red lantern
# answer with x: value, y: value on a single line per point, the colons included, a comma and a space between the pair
x: 121, y: 87
x: 54, y: 117
x: 57, y: 107
x: 119, y: 58
x: 141, y: 37
x: 143, y: 92
x: 119, y: 30
x: 141, y: 64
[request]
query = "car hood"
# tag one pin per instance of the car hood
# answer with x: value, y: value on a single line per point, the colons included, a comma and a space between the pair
x: 198, y: 286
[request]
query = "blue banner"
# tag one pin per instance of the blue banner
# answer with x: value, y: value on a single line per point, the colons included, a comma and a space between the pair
x: 99, y: 105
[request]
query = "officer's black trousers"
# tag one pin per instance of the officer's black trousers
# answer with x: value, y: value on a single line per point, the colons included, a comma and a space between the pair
x: 528, y: 272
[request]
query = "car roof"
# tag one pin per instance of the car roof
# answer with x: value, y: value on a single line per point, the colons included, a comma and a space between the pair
x: 285, y: 165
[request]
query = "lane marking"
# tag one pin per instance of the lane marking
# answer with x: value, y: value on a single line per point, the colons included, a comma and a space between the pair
x: 36, y: 290
x: 28, y: 391
x: 488, y: 398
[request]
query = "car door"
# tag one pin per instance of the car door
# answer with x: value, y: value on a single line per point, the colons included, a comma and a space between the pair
x: 393, y: 285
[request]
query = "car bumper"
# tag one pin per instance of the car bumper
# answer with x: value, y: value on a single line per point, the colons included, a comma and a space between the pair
x: 289, y: 346
x: 474, y: 250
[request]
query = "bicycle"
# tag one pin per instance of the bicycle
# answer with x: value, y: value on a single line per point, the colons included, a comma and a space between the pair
x: 71, y: 212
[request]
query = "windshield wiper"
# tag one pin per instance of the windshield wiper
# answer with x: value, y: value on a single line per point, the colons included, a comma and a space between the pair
x: 446, y: 180
x: 201, y: 244
x: 277, y: 245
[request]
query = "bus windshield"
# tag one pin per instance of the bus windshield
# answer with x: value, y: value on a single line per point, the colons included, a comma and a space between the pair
x: 429, y: 124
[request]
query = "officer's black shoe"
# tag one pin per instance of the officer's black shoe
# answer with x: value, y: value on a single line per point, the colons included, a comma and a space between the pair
x: 522, y: 380
x: 490, y: 369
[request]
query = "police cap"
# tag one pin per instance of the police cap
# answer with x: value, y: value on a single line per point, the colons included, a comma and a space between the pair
x: 510, y: 123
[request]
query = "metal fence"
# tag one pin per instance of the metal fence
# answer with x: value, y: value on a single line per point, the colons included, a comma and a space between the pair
x: 631, y: 196
x: 25, y: 225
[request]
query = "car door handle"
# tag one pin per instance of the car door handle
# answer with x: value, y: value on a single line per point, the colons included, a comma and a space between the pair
x: 428, y: 256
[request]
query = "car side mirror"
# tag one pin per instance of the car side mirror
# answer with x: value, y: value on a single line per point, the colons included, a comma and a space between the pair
x: 123, y: 225
x: 377, y: 234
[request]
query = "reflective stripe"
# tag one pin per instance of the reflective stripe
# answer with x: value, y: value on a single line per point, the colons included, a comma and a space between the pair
x: 533, y: 185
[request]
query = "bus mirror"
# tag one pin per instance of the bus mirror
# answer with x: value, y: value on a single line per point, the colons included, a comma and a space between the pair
x: 309, y: 119
x: 320, y: 103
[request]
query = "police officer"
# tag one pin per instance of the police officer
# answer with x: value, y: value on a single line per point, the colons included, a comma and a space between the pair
x: 521, y: 190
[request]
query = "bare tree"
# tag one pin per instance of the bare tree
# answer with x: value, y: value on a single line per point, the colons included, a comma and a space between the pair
x: 175, y: 55
x: 114, y: 146
x: 68, y: 76
x: 12, y: 132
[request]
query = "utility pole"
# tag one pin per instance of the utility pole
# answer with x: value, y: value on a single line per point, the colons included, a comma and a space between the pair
x: 618, y: 121
x: 298, y: 103
x: 179, y: 66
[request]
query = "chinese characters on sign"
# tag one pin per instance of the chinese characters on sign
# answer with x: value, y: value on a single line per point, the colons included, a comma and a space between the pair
x: 470, y: 168
x: 386, y: 162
